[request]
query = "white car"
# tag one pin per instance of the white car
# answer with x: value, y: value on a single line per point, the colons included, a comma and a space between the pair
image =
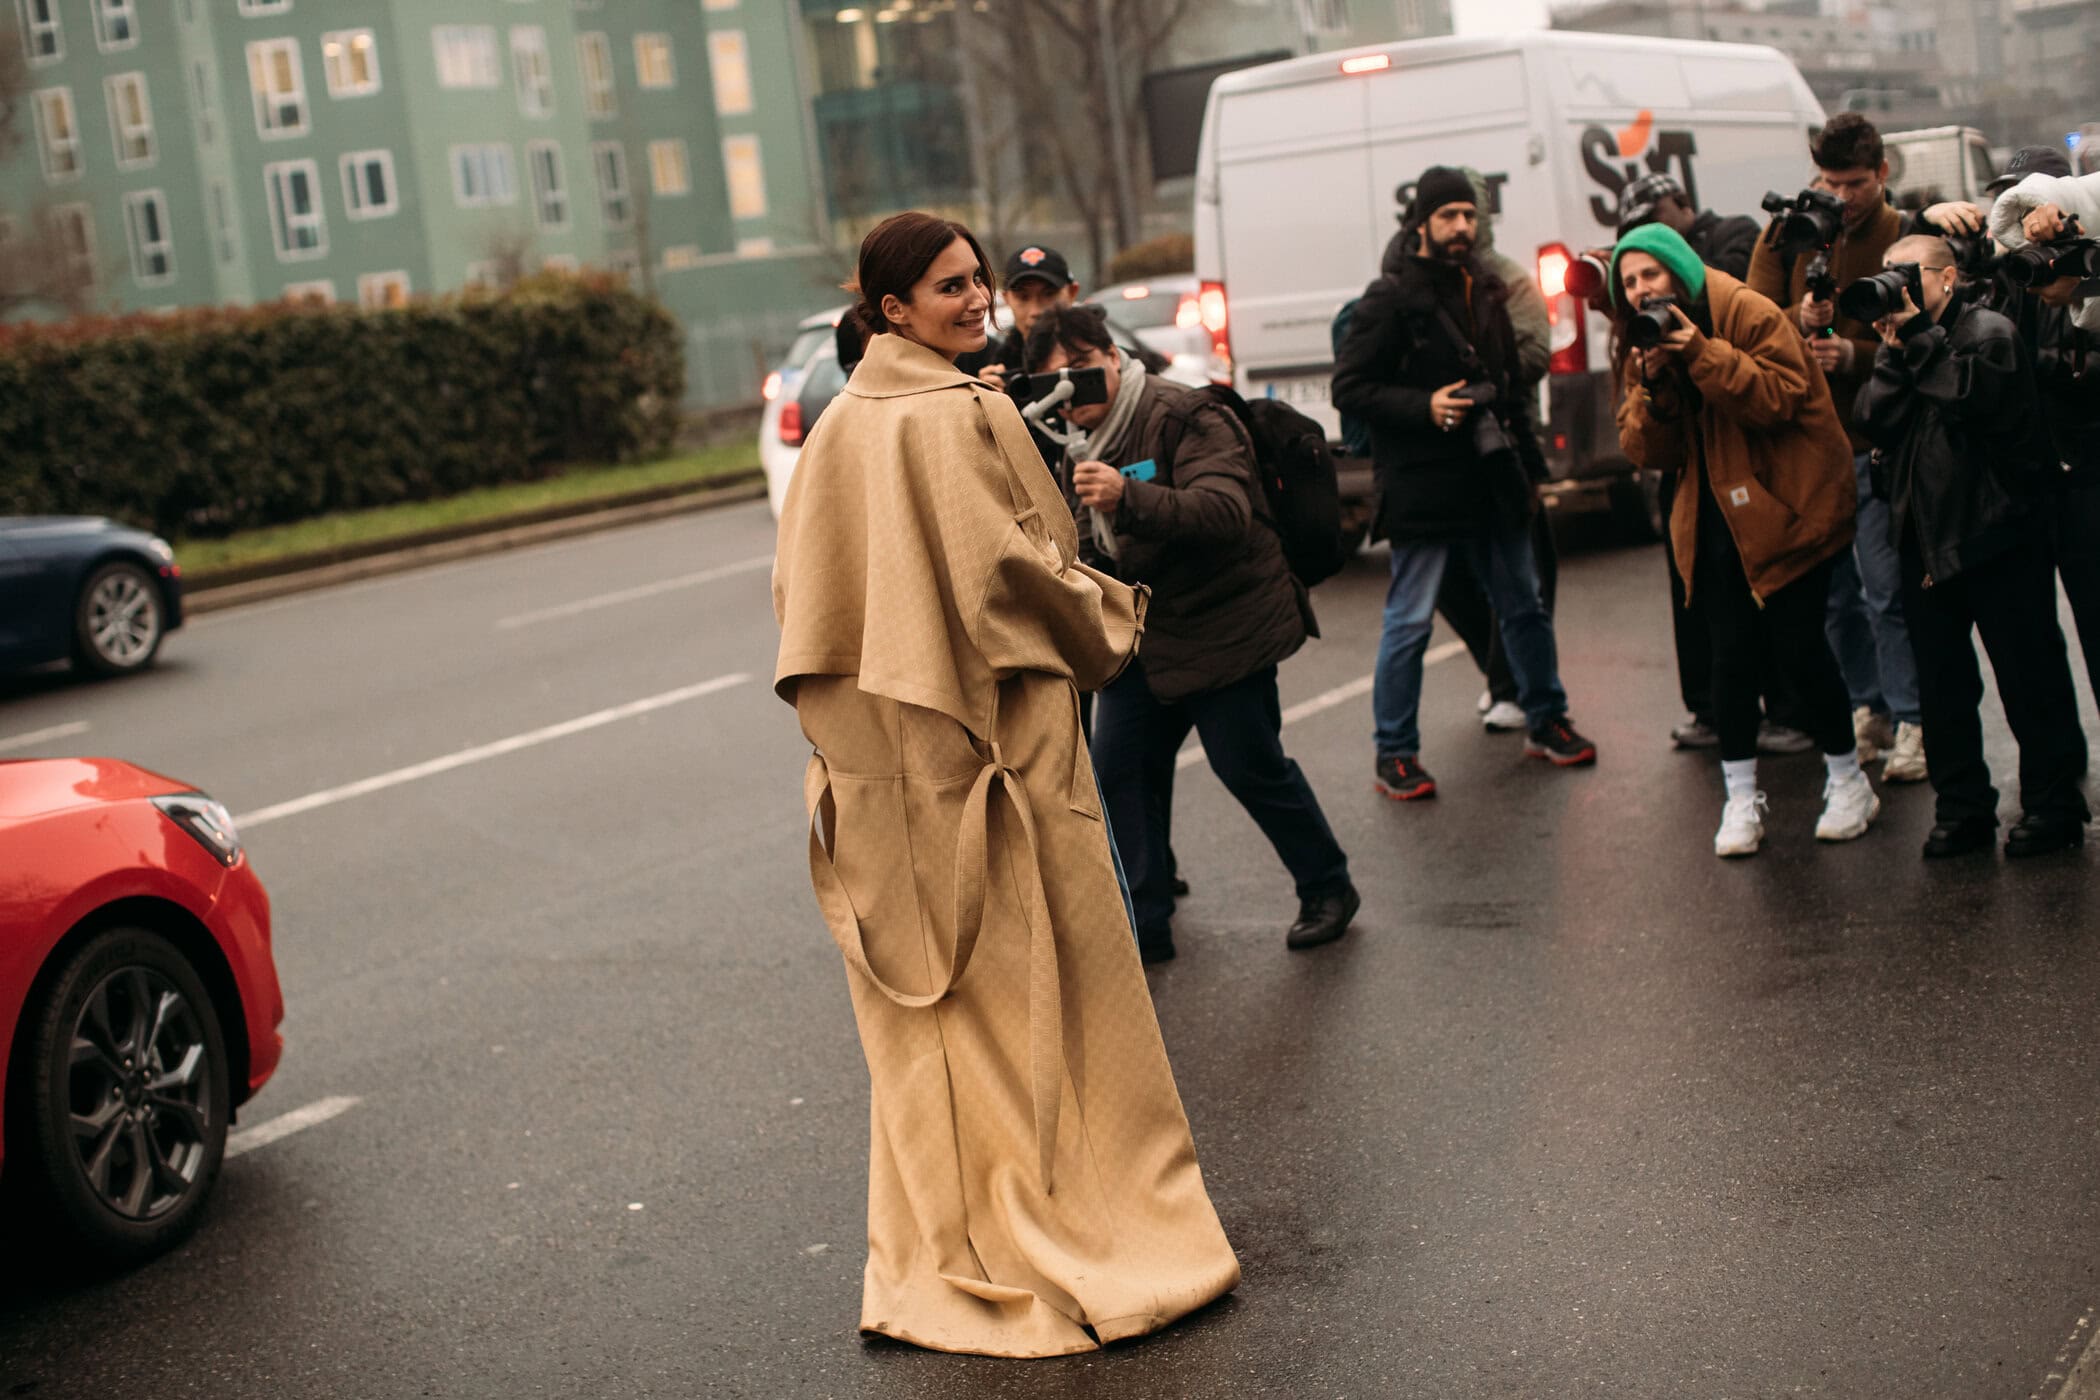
x: 1167, y: 315
x: 809, y: 378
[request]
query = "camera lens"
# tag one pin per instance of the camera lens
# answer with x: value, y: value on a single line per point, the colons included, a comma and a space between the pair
x: 2024, y: 267
x: 1650, y: 324
x: 1871, y: 298
x: 1585, y: 278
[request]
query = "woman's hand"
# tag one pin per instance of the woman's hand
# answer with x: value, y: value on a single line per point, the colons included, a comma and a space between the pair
x: 1446, y: 409
x: 1097, y: 484
x: 994, y: 375
x: 2044, y: 224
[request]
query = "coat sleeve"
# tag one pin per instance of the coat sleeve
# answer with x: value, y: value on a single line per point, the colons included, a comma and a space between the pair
x: 1767, y: 274
x: 1734, y: 241
x: 1650, y: 433
x: 1967, y: 382
x: 1761, y: 383
x: 1527, y: 317
x: 1887, y: 402
x: 1039, y: 613
x: 1208, y: 500
x: 1366, y: 369
x: 2074, y: 194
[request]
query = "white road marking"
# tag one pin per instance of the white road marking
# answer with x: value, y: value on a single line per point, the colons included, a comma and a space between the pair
x: 1327, y: 700
x: 2083, y: 1380
x: 283, y: 1126
x: 630, y: 595
x: 41, y: 736
x: 461, y: 759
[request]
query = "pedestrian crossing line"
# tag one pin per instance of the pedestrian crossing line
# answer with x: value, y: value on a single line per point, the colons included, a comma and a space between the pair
x: 1327, y: 700
x: 481, y: 752
x: 285, y: 1124
x: 43, y: 736
x: 636, y: 594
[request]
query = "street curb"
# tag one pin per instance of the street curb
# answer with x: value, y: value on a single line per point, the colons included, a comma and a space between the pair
x: 488, y: 541
x: 2084, y: 1381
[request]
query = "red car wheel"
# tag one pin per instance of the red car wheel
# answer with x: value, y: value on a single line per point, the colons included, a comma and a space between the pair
x: 127, y: 1105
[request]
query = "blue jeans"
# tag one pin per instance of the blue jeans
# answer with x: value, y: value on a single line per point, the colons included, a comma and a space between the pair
x: 1864, y: 621
x: 1504, y: 561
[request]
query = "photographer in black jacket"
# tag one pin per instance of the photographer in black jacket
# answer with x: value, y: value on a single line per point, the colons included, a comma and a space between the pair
x: 1960, y: 457
x: 1429, y: 363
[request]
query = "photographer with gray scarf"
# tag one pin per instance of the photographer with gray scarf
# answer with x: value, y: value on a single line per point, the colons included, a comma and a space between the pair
x: 1162, y: 481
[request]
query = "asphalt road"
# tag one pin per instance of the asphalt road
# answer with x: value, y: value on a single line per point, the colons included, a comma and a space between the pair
x: 1578, y: 1110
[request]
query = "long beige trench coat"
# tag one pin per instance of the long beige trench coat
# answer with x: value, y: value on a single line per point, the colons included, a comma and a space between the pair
x: 1032, y: 1188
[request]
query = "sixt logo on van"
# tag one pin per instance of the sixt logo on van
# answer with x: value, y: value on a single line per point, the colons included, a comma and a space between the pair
x: 1615, y: 159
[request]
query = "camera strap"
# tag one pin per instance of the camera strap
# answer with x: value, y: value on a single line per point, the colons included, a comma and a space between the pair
x: 1467, y: 355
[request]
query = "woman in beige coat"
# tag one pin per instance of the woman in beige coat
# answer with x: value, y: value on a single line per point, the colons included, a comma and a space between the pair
x: 1032, y: 1188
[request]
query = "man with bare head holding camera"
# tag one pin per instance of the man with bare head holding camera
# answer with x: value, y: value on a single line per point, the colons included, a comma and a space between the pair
x: 1429, y: 362
x: 1853, y: 225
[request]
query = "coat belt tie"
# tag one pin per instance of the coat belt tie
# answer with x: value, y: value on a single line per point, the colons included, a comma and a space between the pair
x: 1046, y: 1051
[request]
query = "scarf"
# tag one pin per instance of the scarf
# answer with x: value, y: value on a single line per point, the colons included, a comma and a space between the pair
x: 1106, y: 440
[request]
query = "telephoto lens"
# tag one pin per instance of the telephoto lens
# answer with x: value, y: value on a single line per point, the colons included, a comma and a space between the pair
x: 1651, y: 323
x: 1872, y: 298
x: 2024, y: 267
x: 2081, y: 260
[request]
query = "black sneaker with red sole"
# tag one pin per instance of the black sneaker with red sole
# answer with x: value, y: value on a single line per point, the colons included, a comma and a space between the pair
x: 1557, y: 742
x: 1403, y: 779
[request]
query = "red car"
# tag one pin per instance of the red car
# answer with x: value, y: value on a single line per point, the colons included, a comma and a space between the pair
x: 138, y: 999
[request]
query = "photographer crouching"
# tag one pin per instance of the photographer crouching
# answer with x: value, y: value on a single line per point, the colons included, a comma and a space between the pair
x: 1961, y: 458
x: 1716, y: 378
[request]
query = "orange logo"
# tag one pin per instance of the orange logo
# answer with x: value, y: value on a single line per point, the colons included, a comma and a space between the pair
x: 1634, y: 139
x: 1032, y: 256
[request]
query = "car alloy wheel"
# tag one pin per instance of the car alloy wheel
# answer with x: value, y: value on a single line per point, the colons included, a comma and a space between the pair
x: 131, y: 1106
x: 120, y: 619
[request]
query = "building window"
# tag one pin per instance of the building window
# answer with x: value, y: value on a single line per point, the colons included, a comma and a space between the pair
x: 594, y: 56
x: 297, y: 222
x: 72, y: 227
x: 351, y: 59
x: 279, y: 86
x: 57, y: 134
x: 146, y: 230
x: 130, y: 119
x: 747, y: 177
x: 222, y: 223
x: 483, y: 175
x: 264, y: 7
x: 615, y: 201
x: 669, y: 173
x: 719, y: 5
x: 43, y: 37
x: 760, y: 247
x: 382, y: 291
x: 682, y: 255
x: 466, y: 56
x: 550, y: 193
x: 116, y: 24
x: 319, y: 293
x: 534, y: 70
x: 368, y: 184
x: 207, y: 132
x: 730, y: 64
x: 653, y: 67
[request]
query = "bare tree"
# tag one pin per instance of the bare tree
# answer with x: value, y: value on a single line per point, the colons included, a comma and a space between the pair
x: 1048, y: 62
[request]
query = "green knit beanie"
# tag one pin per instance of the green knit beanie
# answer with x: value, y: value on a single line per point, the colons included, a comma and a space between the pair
x: 1667, y: 246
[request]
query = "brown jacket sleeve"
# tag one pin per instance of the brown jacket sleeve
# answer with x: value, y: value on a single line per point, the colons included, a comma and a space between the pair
x: 1761, y: 383
x: 1768, y: 270
x: 1651, y: 436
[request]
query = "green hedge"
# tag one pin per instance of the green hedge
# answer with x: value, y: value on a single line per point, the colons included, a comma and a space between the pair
x: 210, y: 421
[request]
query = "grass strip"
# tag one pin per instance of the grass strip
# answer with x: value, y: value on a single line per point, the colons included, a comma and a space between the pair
x: 578, y: 486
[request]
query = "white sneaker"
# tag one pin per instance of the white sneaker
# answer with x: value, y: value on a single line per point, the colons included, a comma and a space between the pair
x: 1871, y: 733
x: 1742, y: 826
x: 1487, y: 701
x: 1906, y: 758
x: 1504, y: 717
x: 1849, y: 808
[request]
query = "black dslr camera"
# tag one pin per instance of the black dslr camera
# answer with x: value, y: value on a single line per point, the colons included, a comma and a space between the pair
x: 2070, y: 254
x: 1810, y: 219
x: 1881, y: 295
x: 1651, y: 323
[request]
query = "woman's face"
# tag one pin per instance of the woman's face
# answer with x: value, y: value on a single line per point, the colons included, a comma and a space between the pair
x: 948, y: 305
x: 1641, y: 277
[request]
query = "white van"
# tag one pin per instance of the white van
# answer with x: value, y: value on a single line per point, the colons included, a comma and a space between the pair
x: 1305, y: 166
x: 1938, y: 162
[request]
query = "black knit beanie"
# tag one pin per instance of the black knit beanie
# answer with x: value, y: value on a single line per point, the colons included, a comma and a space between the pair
x: 1440, y: 185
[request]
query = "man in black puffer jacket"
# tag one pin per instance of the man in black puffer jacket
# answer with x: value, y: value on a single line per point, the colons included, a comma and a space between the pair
x: 1961, y: 456
x: 1430, y: 364
x: 1161, y: 479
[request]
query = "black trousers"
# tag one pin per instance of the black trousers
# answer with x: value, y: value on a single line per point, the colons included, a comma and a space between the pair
x: 1135, y: 740
x: 1463, y: 601
x: 1695, y: 652
x: 1787, y: 632
x: 2010, y: 602
x: 2074, y: 521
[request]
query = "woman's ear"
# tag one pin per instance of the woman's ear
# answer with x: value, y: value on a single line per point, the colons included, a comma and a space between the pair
x: 892, y: 308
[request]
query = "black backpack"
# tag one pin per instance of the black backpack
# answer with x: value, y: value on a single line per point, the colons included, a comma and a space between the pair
x: 1296, y: 471
x: 1356, y: 433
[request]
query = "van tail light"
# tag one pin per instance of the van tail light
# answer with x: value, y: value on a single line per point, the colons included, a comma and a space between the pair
x: 1188, y: 312
x: 791, y: 423
x: 1212, y: 311
x: 770, y: 390
x: 1567, y: 319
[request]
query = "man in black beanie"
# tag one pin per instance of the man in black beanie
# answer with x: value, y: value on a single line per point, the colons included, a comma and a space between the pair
x: 1430, y: 364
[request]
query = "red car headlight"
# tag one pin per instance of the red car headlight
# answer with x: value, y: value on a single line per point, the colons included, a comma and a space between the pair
x: 207, y: 821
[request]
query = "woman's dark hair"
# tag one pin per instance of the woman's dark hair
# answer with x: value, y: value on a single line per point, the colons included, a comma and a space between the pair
x: 1848, y: 141
x: 1077, y: 328
x: 896, y: 254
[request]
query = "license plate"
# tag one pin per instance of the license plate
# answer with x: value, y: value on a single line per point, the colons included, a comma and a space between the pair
x: 1304, y: 389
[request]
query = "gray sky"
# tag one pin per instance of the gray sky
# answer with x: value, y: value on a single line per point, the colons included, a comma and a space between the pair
x: 1496, y: 16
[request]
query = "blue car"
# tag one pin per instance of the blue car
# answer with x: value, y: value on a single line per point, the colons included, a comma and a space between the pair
x: 85, y: 589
